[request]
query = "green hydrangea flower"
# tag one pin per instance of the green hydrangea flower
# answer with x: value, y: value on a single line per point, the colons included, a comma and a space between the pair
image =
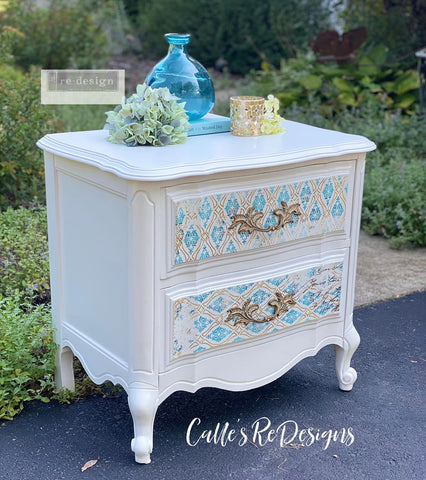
x: 151, y: 116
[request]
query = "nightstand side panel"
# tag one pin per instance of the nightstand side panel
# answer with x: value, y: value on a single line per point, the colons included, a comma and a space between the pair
x: 92, y: 258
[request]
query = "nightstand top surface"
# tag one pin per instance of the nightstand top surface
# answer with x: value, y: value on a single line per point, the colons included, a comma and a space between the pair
x: 204, y: 154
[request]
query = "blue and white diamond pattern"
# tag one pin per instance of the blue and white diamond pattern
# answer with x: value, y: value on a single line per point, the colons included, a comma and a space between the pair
x: 305, y: 195
x: 199, y: 320
x: 259, y: 201
x: 315, y: 214
x: 205, y: 211
x: 337, y: 209
x: 202, y: 223
x: 328, y: 191
x: 191, y: 238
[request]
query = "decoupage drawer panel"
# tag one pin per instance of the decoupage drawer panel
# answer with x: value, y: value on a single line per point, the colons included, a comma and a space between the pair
x: 249, y: 310
x: 229, y: 220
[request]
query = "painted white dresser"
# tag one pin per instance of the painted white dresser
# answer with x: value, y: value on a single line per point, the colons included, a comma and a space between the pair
x: 221, y: 262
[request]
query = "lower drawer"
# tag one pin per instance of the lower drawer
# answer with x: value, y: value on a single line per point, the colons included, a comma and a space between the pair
x: 246, y: 311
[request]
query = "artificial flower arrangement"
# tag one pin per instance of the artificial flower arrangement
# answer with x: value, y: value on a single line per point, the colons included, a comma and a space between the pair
x: 151, y: 116
x: 271, y: 123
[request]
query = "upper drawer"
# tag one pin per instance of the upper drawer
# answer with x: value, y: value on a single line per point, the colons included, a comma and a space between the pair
x: 220, y: 217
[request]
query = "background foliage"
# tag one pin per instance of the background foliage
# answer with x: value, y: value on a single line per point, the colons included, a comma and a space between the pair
x: 77, y: 34
x: 241, y: 32
x: 398, y: 24
x: 22, y: 122
x: 302, y: 80
x: 24, y: 263
x: 27, y: 353
x: 61, y: 36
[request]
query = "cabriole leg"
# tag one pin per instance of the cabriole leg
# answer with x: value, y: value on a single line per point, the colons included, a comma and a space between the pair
x: 345, y: 373
x: 143, y: 405
x: 64, y: 378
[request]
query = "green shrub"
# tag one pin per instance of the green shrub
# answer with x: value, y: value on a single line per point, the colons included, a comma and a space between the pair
x: 8, y: 72
x: 394, y: 203
x: 398, y: 24
x: 8, y: 38
x: 303, y: 81
x: 76, y: 118
x: 23, y: 121
x: 27, y: 353
x: 62, y: 35
x: 24, y: 262
x: 243, y: 32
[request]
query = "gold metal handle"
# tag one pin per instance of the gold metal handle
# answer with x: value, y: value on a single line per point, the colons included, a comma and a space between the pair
x: 250, y: 221
x: 246, y: 314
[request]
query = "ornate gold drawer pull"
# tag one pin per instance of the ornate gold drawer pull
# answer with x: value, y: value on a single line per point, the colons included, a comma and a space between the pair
x: 250, y: 222
x: 281, y: 303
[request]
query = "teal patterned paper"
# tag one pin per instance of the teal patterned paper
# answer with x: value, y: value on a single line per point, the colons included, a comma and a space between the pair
x: 202, y: 223
x: 199, y: 320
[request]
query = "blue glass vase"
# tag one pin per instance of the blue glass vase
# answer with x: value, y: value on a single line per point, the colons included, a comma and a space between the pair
x: 184, y: 77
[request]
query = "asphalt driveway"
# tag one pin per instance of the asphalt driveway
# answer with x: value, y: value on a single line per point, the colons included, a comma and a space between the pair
x: 383, y: 419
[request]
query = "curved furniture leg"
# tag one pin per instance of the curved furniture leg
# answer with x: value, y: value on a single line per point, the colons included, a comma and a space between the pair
x: 143, y: 405
x: 64, y: 377
x: 345, y: 373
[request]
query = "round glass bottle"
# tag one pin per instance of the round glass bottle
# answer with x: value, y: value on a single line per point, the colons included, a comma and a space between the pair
x: 184, y: 77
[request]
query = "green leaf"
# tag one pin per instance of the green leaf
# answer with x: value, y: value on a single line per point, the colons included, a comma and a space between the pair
x: 389, y: 87
x: 404, y: 101
x: 343, y: 85
x: 288, y: 97
x: 311, y: 82
x: 374, y: 87
x: 406, y: 82
x: 326, y: 70
x: 348, y: 99
x: 378, y: 54
x: 366, y: 67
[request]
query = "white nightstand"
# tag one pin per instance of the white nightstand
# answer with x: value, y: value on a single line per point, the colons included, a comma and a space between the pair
x: 221, y: 262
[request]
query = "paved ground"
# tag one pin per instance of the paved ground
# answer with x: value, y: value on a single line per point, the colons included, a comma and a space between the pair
x: 384, y: 273
x: 385, y: 412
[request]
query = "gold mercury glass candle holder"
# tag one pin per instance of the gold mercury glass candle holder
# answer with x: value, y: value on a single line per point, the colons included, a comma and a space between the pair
x: 246, y: 116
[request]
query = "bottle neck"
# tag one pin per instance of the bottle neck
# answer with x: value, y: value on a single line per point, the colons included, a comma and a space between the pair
x: 176, y: 49
x: 177, y: 42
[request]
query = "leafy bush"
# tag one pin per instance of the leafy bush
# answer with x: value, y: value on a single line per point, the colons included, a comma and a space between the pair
x: 398, y: 24
x: 23, y: 121
x: 395, y: 201
x: 334, y: 87
x: 75, y: 118
x: 24, y: 263
x: 8, y: 72
x: 27, y: 353
x: 62, y: 35
x: 242, y: 32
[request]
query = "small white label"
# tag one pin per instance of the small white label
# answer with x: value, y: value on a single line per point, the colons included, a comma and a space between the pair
x: 78, y: 87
